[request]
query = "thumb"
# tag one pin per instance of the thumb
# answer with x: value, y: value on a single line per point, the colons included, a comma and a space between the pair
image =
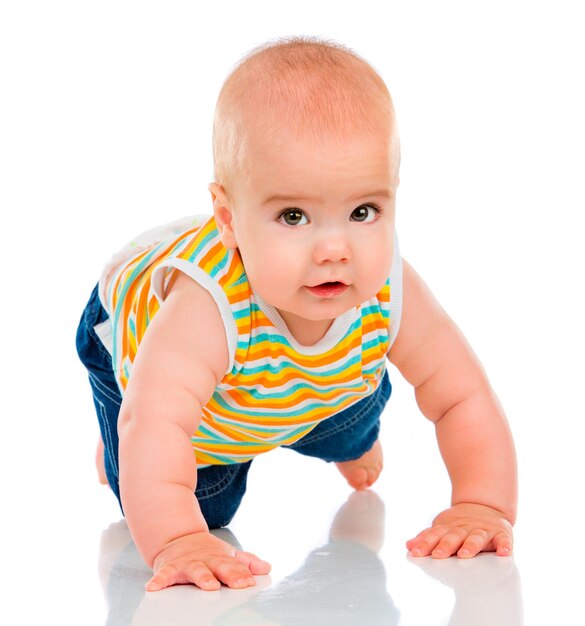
x: 165, y: 577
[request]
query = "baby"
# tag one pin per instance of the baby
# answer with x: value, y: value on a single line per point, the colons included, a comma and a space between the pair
x: 212, y: 340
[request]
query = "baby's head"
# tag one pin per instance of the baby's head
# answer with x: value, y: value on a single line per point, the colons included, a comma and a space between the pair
x: 298, y: 88
x: 306, y: 156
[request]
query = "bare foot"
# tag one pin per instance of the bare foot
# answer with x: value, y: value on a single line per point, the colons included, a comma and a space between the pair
x: 363, y: 472
x: 99, y: 462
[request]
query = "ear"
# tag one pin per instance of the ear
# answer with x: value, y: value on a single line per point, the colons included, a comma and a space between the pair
x: 224, y: 217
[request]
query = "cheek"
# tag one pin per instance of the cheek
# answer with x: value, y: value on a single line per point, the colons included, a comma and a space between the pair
x: 377, y: 260
x: 268, y: 265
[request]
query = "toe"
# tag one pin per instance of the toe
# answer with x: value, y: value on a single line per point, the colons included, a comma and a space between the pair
x: 359, y: 479
x: 373, y: 474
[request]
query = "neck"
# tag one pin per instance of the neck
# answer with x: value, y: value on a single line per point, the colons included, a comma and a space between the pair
x: 306, y: 332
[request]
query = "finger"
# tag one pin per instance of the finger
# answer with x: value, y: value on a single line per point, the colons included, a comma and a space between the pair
x: 200, y: 575
x: 257, y: 566
x: 415, y: 540
x: 477, y: 541
x: 196, y: 573
x: 165, y: 577
x: 449, y: 544
x: 503, y: 544
x: 231, y: 572
x: 428, y: 541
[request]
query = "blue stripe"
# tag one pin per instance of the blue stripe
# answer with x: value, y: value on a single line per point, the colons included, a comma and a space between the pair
x: 219, y: 439
x: 241, y: 280
x: 374, y: 343
x: 211, y: 235
x: 242, y: 313
x: 290, y: 366
x: 375, y: 366
x: 219, y: 266
x: 370, y: 310
x: 260, y: 395
x: 180, y: 244
x: 279, y: 411
x: 205, y: 431
x: 223, y: 460
x: 376, y: 312
x: 287, y: 433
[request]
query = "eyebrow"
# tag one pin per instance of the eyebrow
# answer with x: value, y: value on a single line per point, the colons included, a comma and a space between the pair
x: 382, y: 193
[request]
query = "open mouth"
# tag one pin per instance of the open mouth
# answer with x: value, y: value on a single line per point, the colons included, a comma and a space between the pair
x: 328, y: 290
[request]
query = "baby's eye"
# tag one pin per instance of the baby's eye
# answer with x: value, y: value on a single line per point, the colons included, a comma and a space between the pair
x: 294, y: 217
x: 365, y: 213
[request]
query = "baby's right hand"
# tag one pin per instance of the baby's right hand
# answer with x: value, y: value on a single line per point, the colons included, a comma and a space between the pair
x: 206, y: 561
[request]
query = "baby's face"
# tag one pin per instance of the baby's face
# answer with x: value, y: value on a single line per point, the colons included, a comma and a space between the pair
x: 314, y: 224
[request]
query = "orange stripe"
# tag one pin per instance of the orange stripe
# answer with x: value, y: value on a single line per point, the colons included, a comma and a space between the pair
x: 208, y: 418
x: 142, y: 283
x: 123, y: 270
x: 376, y: 324
x: 125, y: 314
x: 141, y: 314
x: 171, y: 280
x: 242, y: 400
x: 384, y: 294
x: 235, y: 267
x: 200, y: 233
x: 277, y: 350
x: 235, y: 296
x: 309, y: 416
x: 243, y: 327
x: 273, y: 382
x: 215, y: 250
x: 153, y: 307
x: 232, y: 445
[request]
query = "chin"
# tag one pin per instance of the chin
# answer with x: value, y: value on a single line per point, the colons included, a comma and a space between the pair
x: 328, y: 313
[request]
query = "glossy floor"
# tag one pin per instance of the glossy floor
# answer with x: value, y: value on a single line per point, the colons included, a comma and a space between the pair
x: 338, y: 556
x: 347, y: 578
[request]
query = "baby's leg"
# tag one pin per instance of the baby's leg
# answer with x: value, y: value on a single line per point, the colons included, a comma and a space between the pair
x: 220, y: 489
x: 100, y: 463
x: 363, y: 472
x: 105, y: 391
x: 350, y: 439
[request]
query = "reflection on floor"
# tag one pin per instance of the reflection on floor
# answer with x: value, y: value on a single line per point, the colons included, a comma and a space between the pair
x: 342, y: 582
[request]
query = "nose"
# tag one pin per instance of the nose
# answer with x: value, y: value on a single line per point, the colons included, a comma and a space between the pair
x: 331, y: 246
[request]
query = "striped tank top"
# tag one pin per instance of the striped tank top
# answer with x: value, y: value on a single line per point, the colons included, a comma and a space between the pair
x: 275, y: 390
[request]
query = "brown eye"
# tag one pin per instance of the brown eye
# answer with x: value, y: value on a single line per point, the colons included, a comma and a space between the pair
x: 293, y: 217
x: 364, y: 213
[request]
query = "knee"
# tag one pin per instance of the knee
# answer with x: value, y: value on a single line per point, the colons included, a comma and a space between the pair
x: 220, y: 490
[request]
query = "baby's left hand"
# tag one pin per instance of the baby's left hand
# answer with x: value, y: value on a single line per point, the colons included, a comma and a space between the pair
x: 465, y: 529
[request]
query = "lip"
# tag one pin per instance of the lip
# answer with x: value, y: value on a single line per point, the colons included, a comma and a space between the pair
x: 328, y: 290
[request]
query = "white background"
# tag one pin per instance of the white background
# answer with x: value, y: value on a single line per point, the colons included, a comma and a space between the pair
x: 105, y: 130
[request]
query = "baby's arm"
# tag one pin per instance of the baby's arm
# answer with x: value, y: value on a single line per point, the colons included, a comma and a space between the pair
x: 182, y: 357
x: 453, y: 392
